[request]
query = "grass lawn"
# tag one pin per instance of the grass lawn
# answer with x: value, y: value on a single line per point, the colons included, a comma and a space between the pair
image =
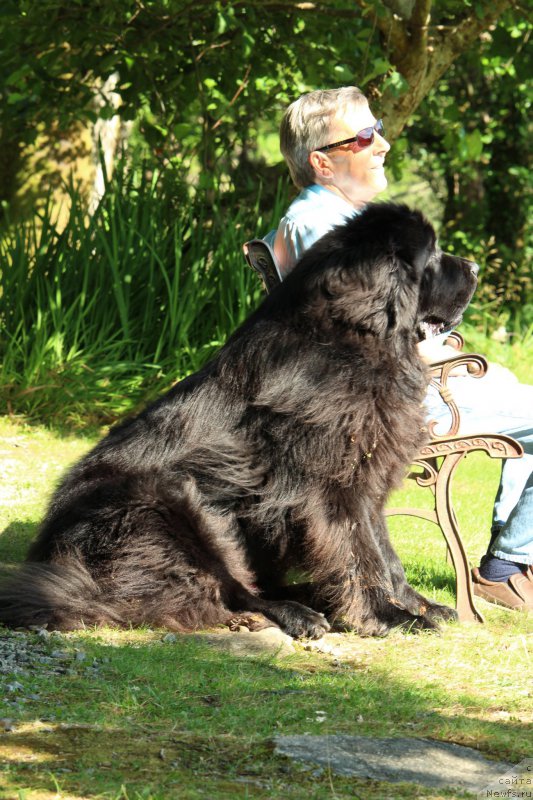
x: 128, y: 715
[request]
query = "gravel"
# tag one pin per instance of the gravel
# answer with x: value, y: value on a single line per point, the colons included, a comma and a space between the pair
x: 24, y: 655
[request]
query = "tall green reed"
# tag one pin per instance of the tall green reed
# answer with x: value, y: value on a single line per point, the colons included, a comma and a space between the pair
x: 101, y: 315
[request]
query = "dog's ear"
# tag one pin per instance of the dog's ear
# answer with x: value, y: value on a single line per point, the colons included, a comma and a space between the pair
x: 416, y: 246
x: 407, y: 235
x: 355, y: 296
x: 412, y: 246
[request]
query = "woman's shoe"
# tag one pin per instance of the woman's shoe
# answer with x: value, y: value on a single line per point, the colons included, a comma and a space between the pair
x: 515, y: 593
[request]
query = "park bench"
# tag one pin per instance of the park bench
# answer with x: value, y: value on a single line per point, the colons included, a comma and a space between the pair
x: 437, y: 461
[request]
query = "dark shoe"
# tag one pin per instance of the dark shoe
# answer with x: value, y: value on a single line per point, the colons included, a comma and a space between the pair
x: 515, y: 593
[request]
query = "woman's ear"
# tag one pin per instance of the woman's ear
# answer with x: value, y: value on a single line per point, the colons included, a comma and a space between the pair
x: 321, y: 164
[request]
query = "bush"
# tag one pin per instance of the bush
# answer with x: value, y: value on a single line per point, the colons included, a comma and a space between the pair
x: 102, y: 315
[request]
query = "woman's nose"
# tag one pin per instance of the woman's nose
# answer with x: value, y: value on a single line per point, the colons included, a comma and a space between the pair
x: 382, y: 143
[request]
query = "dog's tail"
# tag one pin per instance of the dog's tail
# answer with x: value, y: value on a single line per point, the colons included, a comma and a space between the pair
x: 58, y: 596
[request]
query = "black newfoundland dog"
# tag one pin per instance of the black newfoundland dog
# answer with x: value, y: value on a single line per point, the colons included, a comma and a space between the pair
x: 277, y: 456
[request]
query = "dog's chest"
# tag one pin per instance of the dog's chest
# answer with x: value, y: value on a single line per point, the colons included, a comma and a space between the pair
x: 379, y: 448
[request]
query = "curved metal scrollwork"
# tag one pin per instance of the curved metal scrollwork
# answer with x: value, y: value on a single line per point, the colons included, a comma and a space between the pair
x: 497, y: 445
x: 429, y: 473
x: 476, y: 366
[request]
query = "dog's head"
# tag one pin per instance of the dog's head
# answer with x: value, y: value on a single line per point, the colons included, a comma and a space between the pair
x: 382, y: 273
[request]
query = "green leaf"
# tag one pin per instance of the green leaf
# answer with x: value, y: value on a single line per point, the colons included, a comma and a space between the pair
x: 15, y: 97
x: 379, y: 67
x: 221, y: 24
x: 474, y: 144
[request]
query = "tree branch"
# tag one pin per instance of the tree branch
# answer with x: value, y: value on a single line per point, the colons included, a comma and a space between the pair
x: 422, y: 58
x: 453, y: 43
x: 388, y: 23
x: 420, y: 15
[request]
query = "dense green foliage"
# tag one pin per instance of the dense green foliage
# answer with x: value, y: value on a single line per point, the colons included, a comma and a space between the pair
x: 202, y: 79
x: 98, y: 317
x: 204, y: 72
x: 120, y: 304
x: 116, y: 306
x: 472, y: 139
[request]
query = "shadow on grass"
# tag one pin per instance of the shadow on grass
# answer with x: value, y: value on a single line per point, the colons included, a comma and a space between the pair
x: 81, y: 426
x: 90, y: 409
x: 15, y: 540
x: 157, y: 716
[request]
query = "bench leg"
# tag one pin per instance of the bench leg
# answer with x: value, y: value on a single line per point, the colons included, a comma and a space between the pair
x: 448, y: 524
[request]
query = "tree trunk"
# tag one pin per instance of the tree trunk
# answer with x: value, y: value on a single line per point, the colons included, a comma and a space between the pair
x: 107, y: 136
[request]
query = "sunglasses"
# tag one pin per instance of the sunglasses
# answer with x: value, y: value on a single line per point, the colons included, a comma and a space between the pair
x: 362, y: 139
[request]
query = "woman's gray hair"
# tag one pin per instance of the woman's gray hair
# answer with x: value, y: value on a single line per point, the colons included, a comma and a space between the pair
x: 306, y: 124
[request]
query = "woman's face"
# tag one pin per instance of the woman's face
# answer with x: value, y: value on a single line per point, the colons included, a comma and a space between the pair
x: 354, y: 173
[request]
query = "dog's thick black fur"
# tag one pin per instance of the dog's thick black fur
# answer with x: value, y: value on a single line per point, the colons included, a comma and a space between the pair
x: 278, y: 455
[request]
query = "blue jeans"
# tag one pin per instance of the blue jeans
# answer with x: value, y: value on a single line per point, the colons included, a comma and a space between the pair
x: 497, y: 403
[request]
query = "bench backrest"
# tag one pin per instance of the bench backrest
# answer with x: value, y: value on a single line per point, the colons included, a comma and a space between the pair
x: 261, y: 258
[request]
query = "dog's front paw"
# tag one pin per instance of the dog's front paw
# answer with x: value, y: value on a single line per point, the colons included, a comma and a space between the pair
x: 396, y: 618
x: 300, y: 621
x: 408, y: 599
x: 434, y: 612
x: 431, y: 620
x: 416, y: 604
x: 440, y: 613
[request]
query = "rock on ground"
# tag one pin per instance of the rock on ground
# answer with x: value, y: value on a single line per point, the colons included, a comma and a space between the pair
x: 421, y: 761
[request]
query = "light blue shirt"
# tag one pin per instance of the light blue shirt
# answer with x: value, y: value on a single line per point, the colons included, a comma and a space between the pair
x: 312, y: 214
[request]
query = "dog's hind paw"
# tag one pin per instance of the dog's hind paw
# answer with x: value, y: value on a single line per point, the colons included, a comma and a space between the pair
x: 253, y: 622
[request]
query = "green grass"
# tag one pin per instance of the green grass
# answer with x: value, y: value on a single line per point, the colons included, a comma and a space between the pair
x: 180, y: 719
